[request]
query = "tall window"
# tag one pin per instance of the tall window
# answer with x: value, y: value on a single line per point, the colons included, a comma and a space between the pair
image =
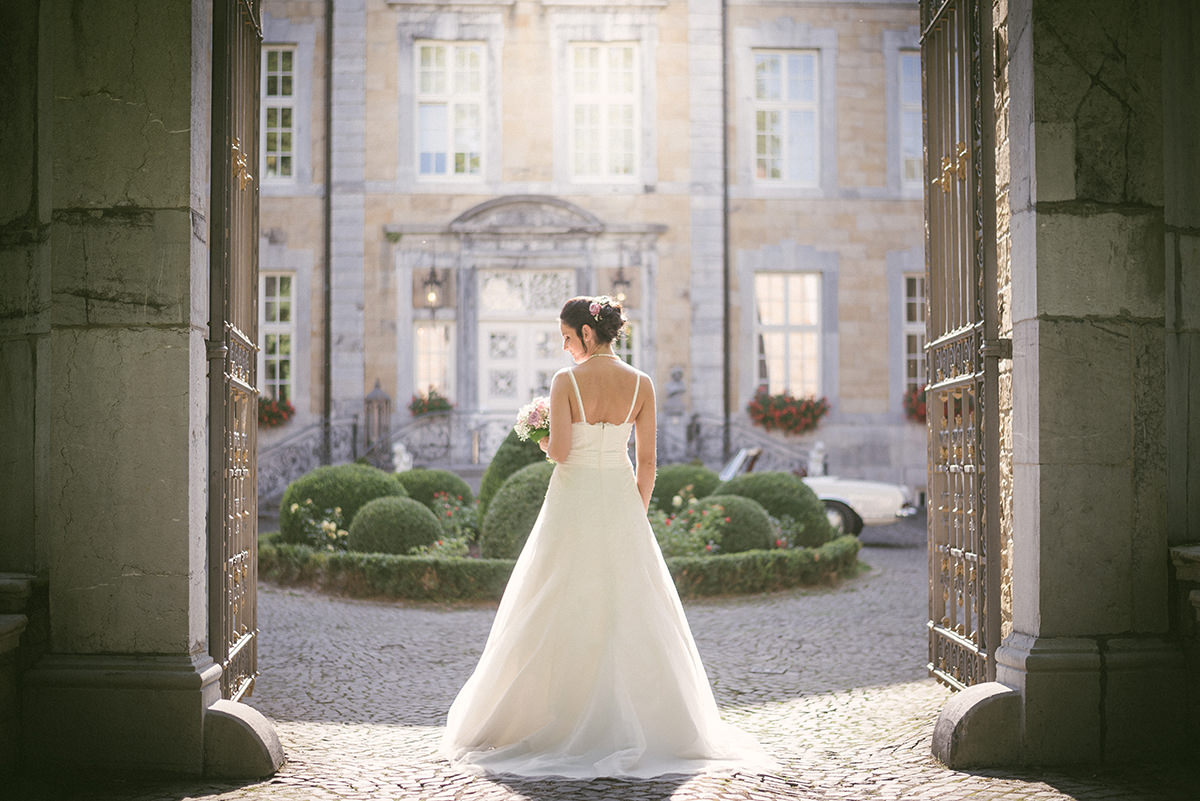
x: 786, y: 117
x: 604, y: 110
x: 910, y: 118
x: 625, y: 345
x: 278, y: 333
x: 450, y: 86
x: 788, y: 330
x: 433, y: 356
x: 914, y: 332
x: 279, y: 112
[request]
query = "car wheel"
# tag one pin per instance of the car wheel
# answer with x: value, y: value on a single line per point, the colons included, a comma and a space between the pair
x: 842, y: 518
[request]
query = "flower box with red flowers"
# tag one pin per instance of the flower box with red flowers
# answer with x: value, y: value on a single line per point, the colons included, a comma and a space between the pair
x: 785, y: 412
x: 273, y: 413
x: 914, y: 404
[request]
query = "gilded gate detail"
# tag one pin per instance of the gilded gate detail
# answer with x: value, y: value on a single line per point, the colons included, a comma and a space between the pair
x: 233, y: 359
x: 963, y: 555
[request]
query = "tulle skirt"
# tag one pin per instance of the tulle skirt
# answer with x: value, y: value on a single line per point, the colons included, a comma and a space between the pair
x: 590, y: 668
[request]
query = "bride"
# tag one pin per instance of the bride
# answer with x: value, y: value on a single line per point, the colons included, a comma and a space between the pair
x: 590, y: 668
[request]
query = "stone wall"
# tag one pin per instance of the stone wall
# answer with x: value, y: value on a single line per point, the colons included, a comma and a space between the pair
x: 1001, y: 100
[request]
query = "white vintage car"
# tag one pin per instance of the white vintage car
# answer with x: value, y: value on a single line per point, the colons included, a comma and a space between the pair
x: 850, y: 503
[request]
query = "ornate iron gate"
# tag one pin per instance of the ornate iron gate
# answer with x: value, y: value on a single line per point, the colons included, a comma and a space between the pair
x: 961, y: 396
x: 233, y: 323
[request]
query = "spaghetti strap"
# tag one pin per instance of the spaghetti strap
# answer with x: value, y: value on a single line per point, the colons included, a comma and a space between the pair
x: 578, y: 397
x: 632, y: 404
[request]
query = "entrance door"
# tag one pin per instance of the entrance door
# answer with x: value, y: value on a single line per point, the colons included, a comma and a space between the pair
x: 962, y: 349
x: 520, y: 345
x: 233, y: 322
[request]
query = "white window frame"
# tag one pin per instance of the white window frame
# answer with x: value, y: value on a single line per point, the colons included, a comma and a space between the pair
x: 280, y: 103
x: 797, y: 386
x: 274, y: 327
x: 608, y: 101
x: 913, y: 329
x: 453, y: 98
x: 424, y: 374
x: 898, y: 45
x: 784, y: 106
x: 906, y: 107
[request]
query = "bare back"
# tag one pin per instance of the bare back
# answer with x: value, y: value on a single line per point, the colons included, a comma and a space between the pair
x: 608, y: 387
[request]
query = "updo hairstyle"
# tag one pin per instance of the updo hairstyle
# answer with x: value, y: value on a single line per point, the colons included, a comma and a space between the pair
x: 608, y: 322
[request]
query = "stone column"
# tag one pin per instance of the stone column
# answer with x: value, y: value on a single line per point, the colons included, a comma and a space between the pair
x: 707, y: 216
x: 122, y: 394
x: 1088, y: 658
x: 348, y: 215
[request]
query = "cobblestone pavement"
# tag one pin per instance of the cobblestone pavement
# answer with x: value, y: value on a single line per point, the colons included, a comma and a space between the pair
x: 830, y: 680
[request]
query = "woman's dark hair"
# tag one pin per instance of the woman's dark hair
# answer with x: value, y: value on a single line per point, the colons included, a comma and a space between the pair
x: 608, y: 321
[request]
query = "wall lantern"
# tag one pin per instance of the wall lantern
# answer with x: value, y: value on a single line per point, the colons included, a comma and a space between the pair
x: 432, y: 287
x: 621, y: 284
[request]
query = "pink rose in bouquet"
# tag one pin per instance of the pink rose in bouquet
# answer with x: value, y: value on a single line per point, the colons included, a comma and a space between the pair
x: 533, y: 420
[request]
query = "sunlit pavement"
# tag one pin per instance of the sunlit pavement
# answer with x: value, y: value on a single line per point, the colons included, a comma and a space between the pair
x: 831, y: 681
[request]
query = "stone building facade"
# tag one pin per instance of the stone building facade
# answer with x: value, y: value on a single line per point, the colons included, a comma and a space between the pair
x: 505, y: 155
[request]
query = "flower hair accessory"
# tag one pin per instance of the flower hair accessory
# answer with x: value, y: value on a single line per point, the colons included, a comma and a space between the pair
x: 597, y: 305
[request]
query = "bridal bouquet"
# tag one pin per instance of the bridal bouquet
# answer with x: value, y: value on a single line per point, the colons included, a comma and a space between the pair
x: 533, y: 420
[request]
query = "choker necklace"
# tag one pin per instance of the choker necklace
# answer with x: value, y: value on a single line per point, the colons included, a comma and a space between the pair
x: 609, y: 355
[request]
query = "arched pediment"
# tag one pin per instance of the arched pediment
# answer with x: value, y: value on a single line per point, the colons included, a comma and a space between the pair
x: 526, y: 214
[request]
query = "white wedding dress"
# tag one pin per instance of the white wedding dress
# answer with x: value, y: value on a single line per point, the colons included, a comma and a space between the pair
x: 590, y: 668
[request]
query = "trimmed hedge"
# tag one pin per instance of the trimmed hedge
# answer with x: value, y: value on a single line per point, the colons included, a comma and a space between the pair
x: 349, y: 486
x: 421, y: 484
x: 671, y: 478
x: 432, y: 579
x: 393, y: 525
x: 784, y: 495
x: 510, y: 519
x: 511, y: 456
x: 749, y: 528
x: 363, y: 575
x: 764, y: 571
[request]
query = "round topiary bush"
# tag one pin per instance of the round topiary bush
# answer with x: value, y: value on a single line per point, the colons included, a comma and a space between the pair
x: 747, y: 527
x: 511, y: 456
x: 788, y: 499
x: 672, y: 478
x: 348, y: 486
x: 513, y: 512
x: 422, y: 483
x: 392, y: 525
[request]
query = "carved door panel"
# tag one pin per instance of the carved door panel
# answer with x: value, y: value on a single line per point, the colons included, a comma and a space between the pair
x: 964, y: 557
x: 520, y: 346
x: 232, y: 349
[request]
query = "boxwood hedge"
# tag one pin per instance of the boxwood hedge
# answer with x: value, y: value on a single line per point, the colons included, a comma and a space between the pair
x: 510, y: 519
x: 784, y: 495
x: 434, y: 579
x: 511, y: 456
x: 671, y: 478
x: 393, y: 525
x: 348, y: 486
x: 421, y: 483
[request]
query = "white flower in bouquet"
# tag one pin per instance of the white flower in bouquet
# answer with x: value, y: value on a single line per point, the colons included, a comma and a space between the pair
x: 533, y: 420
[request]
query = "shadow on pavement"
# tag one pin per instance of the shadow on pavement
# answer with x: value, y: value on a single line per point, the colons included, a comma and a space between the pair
x: 109, y: 786
x: 1150, y: 781
x: 658, y: 789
